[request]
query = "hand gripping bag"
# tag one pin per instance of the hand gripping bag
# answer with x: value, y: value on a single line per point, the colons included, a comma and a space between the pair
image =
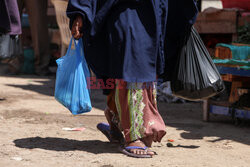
x: 196, y: 76
x: 71, y: 80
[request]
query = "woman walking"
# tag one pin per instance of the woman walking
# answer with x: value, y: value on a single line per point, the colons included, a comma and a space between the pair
x: 127, y: 40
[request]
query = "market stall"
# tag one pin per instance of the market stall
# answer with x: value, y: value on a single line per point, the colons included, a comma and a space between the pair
x: 233, y: 63
x: 219, y: 29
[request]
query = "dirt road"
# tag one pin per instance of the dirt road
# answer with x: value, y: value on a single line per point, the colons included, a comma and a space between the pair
x: 31, y: 134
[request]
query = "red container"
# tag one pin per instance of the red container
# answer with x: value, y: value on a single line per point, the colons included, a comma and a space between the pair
x: 243, y: 4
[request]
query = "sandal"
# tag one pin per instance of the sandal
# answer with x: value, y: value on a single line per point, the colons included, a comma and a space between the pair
x: 113, y: 136
x: 127, y: 151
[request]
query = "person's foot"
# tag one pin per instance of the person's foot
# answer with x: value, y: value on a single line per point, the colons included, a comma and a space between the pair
x: 113, y: 136
x: 136, y: 148
x: 117, y: 136
x: 115, y: 133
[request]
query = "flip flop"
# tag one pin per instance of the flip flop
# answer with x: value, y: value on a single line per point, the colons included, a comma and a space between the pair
x: 127, y: 151
x: 105, y: 129
x: 113, y: 137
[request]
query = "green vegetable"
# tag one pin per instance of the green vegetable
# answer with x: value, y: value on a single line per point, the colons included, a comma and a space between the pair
x: 244, y: 34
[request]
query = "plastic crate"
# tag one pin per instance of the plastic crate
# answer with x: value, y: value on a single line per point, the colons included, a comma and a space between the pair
x: 220, y: 110
x: 243, y: 114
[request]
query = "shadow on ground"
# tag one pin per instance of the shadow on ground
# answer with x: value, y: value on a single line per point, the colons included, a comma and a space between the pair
x: 41, y: 85
x: 46, y: 86
x: 61, y: 144
x: 188, y: 117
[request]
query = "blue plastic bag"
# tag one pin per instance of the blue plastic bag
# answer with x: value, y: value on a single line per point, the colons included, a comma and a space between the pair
x: 71, y: 80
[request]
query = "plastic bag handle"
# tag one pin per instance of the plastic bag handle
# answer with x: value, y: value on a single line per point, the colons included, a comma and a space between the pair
x: 76, y: 44
x: 70, y: 45
x: 78, y: 48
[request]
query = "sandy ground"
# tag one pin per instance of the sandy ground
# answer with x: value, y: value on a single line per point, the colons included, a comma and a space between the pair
x: 31, y: 134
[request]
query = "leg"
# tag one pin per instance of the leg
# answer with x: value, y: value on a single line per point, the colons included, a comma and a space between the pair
x: 139, y: 117
x: 37, y: 11
x: 234, y: 91
x: 111, y: 131
x: 205, y: 110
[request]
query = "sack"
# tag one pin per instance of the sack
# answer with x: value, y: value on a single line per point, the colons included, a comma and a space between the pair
x: 10, y: 46
x: 196, y: 76
x: 71, y: 84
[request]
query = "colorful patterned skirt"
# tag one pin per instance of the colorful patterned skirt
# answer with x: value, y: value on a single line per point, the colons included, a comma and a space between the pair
x: 134, y: 110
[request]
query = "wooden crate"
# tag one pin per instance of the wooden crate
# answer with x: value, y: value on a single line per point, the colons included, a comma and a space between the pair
x: 226, y: 53
x: 217, y: 21
x: 223, y: 53
x: 239, y: 86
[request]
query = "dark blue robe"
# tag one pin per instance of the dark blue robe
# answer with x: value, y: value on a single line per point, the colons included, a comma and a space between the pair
x: 127, y: 39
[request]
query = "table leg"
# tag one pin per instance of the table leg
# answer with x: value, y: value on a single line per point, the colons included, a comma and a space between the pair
x: 206, y: 110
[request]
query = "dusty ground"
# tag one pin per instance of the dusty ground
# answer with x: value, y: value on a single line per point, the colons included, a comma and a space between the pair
x: 31, y: 134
